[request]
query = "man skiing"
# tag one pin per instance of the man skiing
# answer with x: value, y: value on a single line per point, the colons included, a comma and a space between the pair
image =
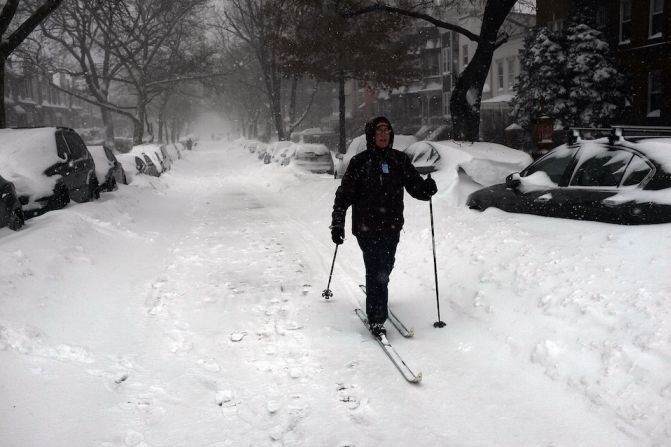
x: 373, y: 185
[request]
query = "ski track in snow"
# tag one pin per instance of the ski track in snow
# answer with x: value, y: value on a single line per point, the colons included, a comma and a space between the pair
x: 190, y: 352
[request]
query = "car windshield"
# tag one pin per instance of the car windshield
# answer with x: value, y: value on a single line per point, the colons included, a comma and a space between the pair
x: 553, y: 164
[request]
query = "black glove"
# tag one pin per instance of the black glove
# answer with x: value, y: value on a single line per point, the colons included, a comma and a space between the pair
x: 337, y: 235
x: 430, y: 185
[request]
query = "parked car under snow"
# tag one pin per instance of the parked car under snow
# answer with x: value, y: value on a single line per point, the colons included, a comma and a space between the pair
x: 315, y: 158
x: 616, y: 180
x: 109, y: 170
x: 11, y: 214
x: 48, y: 166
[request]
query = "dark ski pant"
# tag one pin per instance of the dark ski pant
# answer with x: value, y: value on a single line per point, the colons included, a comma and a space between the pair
x: 378, y: 257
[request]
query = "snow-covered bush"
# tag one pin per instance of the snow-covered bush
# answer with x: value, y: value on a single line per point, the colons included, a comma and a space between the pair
x: 575, y: 74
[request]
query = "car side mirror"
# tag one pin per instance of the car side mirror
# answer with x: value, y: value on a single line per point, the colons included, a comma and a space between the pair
x: 513, y: 180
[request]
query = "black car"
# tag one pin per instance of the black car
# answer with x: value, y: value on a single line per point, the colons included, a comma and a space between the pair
x: 108, y: 169
x: 11, y: 214
x: 48, y: 166
x: 621, y: 180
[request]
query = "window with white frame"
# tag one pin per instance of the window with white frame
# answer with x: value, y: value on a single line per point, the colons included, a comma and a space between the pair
x: 625, y: 21
x: 654, y: 93
x: 656, y: 18
x: 511, y: 73
x: 464, y: 56
x: 446, y: 103
x: 499, y: 74
x: 446, y: 55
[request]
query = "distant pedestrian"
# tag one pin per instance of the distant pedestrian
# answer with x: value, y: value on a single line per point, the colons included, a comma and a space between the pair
x: 373, y: 185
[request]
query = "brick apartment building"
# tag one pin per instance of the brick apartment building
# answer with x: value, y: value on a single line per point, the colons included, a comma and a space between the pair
x: 639, y: 31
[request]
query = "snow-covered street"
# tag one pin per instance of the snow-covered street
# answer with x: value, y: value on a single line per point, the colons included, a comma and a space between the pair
x: 186, y: 310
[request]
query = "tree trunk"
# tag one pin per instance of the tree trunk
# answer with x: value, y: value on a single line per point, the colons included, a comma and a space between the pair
x: 108, y: 124
x: 138, y: 122
x: 3, y: 116
x: 276, y: 108
x: 467, y: 93
x: 342, y: 137
x: 292, y: 100
x: 173, y: 131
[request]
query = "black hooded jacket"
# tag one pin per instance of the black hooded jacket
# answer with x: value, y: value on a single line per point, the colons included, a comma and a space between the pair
x: 374, y: 191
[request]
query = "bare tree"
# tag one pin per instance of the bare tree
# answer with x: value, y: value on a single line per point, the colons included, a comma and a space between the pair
x: 259, y: 24
x: 11, y: 39
x: 82, y: 49
x: 141, y: 32
x: 383, y: 57
x: 467, y: 93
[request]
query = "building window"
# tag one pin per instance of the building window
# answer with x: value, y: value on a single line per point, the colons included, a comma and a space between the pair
x: 654, y: 93
x: 656, y: 18
x: 499, y: 74
x: 447, y: 60
x: 464, y: 56
x: 625, y: 21
x: 511, y: 73
x: 600, y: 17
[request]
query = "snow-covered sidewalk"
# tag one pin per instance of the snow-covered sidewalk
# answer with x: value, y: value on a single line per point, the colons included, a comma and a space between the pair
x: 187, y: 310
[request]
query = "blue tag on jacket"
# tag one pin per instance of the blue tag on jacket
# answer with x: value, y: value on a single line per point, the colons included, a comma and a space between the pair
x: 385, y: 168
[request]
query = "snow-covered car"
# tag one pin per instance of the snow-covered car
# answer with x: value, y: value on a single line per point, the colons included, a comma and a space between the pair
x: 277, y: 152
x: 358, y: 145
x: 48, y: 166
x: 11, y: 214
x: 166, y: 158
x: 108, y: 169
x: 424, y: 156
x: 617, y: 180
x: 174, y: 151
x: 315, y: 158
x: 149, y: 153
x: 251, y: 145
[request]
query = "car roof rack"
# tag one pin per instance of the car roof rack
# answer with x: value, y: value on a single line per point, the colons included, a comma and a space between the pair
x: 632, y: 133
x: 586, y: 133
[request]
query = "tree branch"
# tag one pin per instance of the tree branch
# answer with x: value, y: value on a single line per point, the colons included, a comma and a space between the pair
x: 381, y: 7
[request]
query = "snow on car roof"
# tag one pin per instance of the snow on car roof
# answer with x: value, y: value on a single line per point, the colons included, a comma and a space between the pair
x: 659, y: 149
x: 318, y: 149
x: 485, y: 163
x: 25, y: 168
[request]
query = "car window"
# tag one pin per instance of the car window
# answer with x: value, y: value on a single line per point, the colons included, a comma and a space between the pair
x: 637, y: 171
x: 76, y: 145
x: 62, y: 146
x: 603, y: 168
x: 553, y: 164
x: 109, y: 154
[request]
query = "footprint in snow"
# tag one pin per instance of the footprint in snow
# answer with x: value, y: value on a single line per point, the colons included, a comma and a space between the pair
x: 238, y: 336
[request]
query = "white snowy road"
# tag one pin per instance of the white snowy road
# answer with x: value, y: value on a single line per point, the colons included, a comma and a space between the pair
x: 186, y: 311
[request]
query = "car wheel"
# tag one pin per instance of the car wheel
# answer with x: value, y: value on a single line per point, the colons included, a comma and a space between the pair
x: 16, y: 219
x: 94, y: 190
x: 61, y: 198
x: 111, y: 184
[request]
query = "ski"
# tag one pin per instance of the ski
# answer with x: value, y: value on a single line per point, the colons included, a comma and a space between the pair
x: 395, y: 321
x: 396, y: 359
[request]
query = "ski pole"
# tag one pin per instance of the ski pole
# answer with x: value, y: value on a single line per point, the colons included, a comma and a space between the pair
x: 327, y: 292
x: 439, y: 323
